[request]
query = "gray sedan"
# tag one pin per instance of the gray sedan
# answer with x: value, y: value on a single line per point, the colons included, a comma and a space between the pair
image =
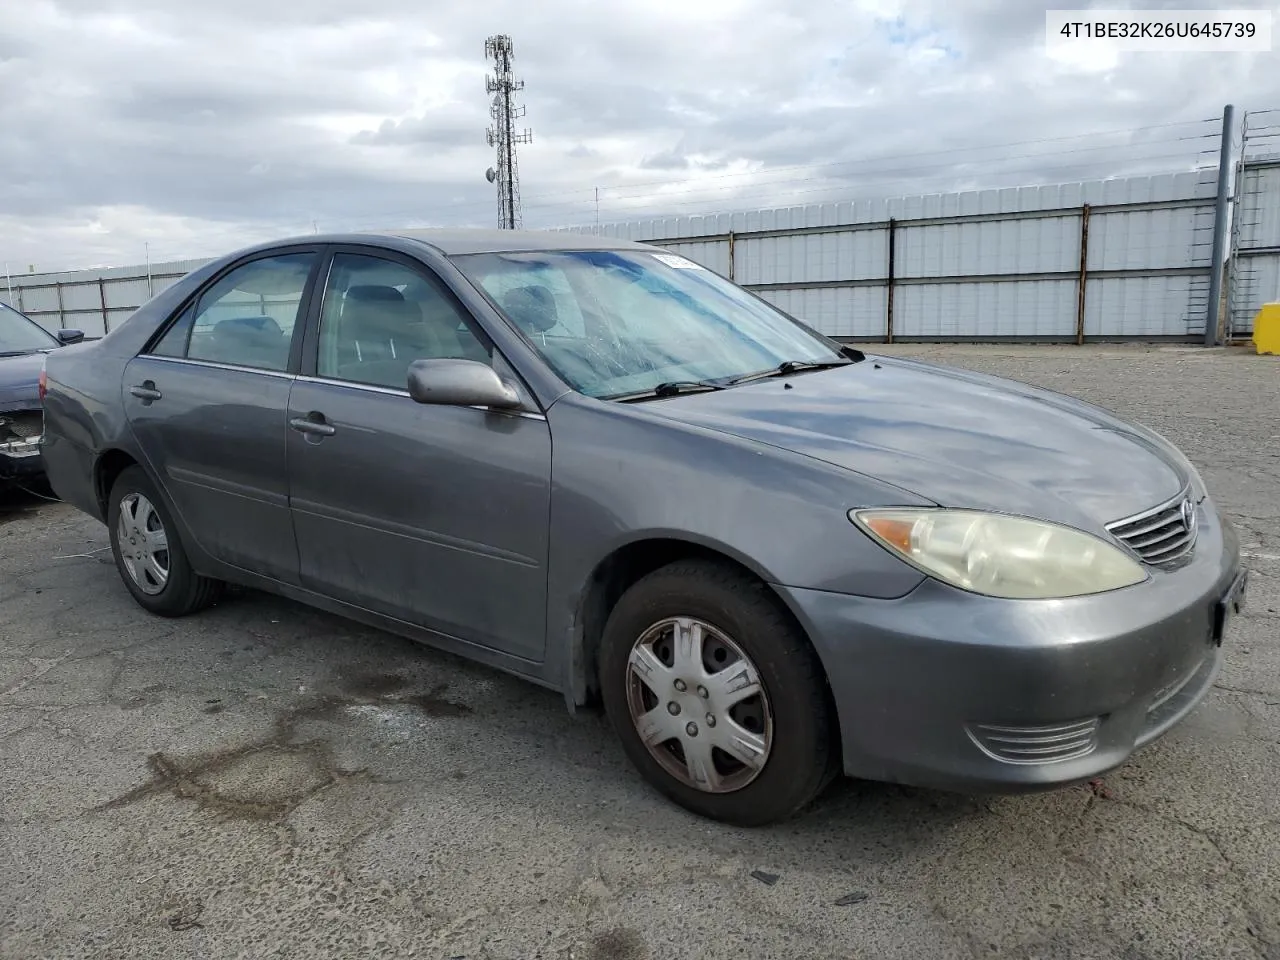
x: 604, y: 468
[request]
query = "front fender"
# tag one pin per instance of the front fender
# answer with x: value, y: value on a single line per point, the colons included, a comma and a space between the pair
x: 621, y: 476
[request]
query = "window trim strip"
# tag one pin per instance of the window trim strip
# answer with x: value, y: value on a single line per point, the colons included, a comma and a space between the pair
x: 393, y: 392
x: 215, y: 365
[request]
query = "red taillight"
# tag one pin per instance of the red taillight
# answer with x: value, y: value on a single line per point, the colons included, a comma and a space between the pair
x: 44, y: 385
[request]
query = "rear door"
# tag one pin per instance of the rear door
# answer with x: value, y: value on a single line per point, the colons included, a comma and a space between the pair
x: 431, y: 514
x: 208, y: 403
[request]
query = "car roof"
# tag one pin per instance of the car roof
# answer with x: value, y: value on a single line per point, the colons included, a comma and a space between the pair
x: 453, y: 241
x: 458, y: 241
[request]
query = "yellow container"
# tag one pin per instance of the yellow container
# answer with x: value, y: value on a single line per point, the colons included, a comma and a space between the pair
x: 1266, y: 329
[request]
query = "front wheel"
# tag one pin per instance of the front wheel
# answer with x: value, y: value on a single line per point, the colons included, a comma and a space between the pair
x: 717, y: 695
x: 148, y: 553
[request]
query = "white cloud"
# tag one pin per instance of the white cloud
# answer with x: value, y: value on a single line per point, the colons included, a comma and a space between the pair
x: 197, y: 127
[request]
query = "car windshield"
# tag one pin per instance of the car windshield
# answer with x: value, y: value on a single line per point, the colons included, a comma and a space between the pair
x: 20, y: 335
x: 615, y: 323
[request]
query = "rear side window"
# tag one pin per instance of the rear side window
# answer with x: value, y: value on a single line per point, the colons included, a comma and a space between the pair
x: 247, y: 318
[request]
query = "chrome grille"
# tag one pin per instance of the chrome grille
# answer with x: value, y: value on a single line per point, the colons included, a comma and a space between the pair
x: 1161, y: 535
x: 1048, y: 743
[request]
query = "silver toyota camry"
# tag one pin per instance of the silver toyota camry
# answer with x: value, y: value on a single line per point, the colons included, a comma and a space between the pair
x: 606, y: 469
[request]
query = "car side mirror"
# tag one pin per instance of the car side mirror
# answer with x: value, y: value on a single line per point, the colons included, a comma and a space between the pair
x: 460, y: 383
x: 66, y: 337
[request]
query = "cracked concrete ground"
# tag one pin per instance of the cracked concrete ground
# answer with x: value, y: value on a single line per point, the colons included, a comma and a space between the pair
x: 263, y: 780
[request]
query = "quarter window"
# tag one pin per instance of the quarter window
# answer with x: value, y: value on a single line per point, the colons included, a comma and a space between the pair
x: 248, y: 317
x: 379, y: 316
x: 174, y: 341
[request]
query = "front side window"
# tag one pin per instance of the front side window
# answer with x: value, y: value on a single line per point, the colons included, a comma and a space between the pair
x: 613, y: 323
x: 247, y: 318
x: 19, y: 335
x: 379, y: 316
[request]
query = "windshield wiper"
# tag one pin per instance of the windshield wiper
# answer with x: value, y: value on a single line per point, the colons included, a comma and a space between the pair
x: 668, y: 388
x: 787, y: 367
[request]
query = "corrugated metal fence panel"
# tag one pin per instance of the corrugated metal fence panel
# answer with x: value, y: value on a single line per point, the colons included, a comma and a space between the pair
x: 1162, y: 306
x: 1151, y: 239
x: 1261, y: 285
x: 835, y: 311
x: 39, y: 302
x: 1174, y: 233
x: 89, y: 321
x: 83, y: 292
x: 1035, y: 246
x: 1257, y: 268
x: 812, y: 258
x: 712, y: 254
x: 1041, y: 245
x: 81, y: 297
x: 131, y: 293
x: 1260, y: 206
x: 81, y: 309
x: 1007, y: 308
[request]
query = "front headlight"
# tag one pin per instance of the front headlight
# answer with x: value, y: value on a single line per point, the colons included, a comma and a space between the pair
x: 1000, y: 556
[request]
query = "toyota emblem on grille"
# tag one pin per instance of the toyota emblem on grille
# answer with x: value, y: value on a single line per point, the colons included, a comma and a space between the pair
x: 1188, y: 514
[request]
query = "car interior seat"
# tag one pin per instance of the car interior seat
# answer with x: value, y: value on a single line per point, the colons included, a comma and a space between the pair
x: 379, y: 335
x: 532, y: 309
x: 255, y: 341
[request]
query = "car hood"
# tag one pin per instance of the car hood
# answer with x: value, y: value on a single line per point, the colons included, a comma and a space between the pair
x: 958, y: 439
x: 20, y: 380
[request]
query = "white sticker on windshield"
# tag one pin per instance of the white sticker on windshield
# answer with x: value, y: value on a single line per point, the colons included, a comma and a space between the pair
x: 680, y: 263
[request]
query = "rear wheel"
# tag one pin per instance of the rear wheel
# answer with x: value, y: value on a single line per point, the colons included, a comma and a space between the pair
x: 148, y: 552
x: 717, y: 695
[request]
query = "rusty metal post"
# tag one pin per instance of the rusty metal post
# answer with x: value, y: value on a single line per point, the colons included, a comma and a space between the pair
x: 1084, y: 272
x: 102, y: 298
x: 731, y: 256
x: 62, y: 318
x: 888, y: 307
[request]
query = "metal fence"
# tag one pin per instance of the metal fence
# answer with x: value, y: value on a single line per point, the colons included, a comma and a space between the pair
x: 1255, y: 246
x: 90, y: 300
x: 1112, y: 259
x: 1125, y: 258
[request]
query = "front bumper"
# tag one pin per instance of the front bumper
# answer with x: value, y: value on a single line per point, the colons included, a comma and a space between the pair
x: 947, y: 689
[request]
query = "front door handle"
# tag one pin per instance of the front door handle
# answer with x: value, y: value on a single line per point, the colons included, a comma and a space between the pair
x: 313, y: 423
x: 146, y: 391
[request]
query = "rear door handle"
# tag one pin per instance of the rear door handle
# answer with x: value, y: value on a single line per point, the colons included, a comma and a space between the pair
x: 146, y: 390
x: 314, y: 424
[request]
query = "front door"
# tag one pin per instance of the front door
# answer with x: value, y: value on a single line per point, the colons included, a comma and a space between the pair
x: 208, y: 404
x: 434, y: 515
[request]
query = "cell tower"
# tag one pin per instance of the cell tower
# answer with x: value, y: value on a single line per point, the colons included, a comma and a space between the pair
x: 503, y: 85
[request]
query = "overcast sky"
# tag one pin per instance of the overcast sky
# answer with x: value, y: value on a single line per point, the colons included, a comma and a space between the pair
x: 199, y: 127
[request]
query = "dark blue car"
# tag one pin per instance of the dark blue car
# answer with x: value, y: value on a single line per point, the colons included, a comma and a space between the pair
x: 23, y: 345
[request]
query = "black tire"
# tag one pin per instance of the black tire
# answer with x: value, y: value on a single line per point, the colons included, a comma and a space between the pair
x: 185, y: 591
x: 804, y: 755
